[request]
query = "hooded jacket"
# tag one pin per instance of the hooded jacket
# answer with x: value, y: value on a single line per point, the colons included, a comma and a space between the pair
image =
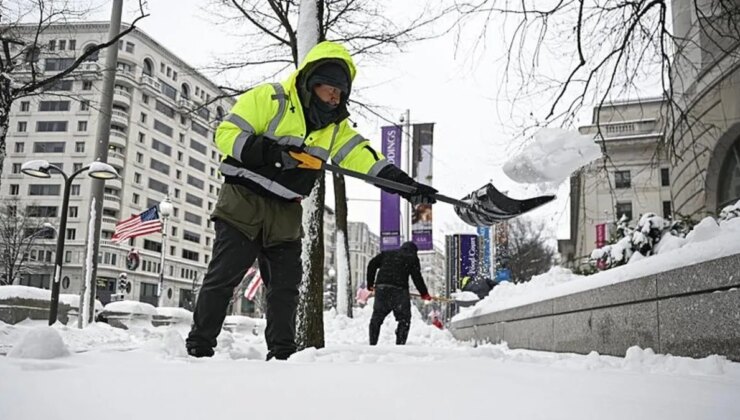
x: 275, y: 112
x: 394, y: 268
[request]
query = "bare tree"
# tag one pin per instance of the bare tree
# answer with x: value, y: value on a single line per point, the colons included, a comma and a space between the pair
x: 20, y: 232
x: 596, y: 51
x: 528, y: 251
x: 22, y: 24
x: 271, y: 41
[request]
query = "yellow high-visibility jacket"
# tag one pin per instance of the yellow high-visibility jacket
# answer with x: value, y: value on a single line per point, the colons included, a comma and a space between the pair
x: 274, y: 110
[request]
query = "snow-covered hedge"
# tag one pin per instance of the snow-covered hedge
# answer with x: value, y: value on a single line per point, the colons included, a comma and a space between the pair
x: 654, y: 235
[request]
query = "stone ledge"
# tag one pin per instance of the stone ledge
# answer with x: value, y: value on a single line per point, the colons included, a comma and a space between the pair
x: 14, y: 310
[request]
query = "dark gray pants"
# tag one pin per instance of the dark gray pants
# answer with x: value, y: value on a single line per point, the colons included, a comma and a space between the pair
x: 281, y: 270
x: 391, y: 299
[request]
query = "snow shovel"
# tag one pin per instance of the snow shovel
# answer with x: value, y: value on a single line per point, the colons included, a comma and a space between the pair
x: 437, y: 298
x: 485, y: 206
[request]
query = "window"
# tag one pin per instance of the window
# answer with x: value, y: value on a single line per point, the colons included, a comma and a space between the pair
x: 80, y: 147
x: 182, y: 138
x: 195, y: 182
x: 145, y: 98
x: 41, y: 211
x: 622, y: 179
x: 137, y: 178
x: 45, y: 106
x: 152, y: 245
x: 159, y: 166
x: 142, y: 118
x: 161, y: 147
x: 62, y: 44
x: 22, y: 126
x: 129, y: 47
x: 162, y: 128
x: 194, y: 163
x: 169, y: 71
x: 76, y: 167
x: 158, y: 186
x: 58, y: 64
x: 52, y: 45
x: 72, y: 44
x: 193, y: 218
x: 148, y: 292
x: 667, y: 214
x: 190, y: 236
x: 173, y: 231
x: 60, y: 85
x: 198, y: 147
x: 67, y: 257
x: 178, y: 173
x: 177, y: 190
x: 165, y: 109
x: 87, y: 85
x: 179, y: 156
x: 199, y: 129
x: 168, y: 90
x: 14, y: 189
x: 624, y: 209
x: 72, y: 212
x: 19, y: 147
x: 190, y: 255
x: 204, y: 113
x: 74, y: 189
x: 44, y: 189
x: 210, y: 205
x: 48, y: 147
x: 51, y: 126
x: 174, y: 75
x: 25, y: 106
x: 194, y: 199
x: 139, y: 157
x: 665, y: 179
x: 71, y: 234
x: 81, y: 125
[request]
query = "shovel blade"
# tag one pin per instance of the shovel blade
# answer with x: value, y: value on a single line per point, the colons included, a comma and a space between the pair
x: 487, y: 206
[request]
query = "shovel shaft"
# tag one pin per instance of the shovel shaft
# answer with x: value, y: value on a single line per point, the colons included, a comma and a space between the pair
x: 393, y: 185
x: 437, y: 298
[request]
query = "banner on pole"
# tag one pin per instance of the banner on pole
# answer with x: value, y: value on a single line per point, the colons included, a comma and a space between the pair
x: 600, y: 235
x: 390, y: 204
x: 421, y: 171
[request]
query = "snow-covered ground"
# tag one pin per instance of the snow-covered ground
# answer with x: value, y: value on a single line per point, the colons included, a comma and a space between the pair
x: 142, y: 373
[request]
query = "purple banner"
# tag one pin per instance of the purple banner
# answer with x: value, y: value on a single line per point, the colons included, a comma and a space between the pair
x: 390, y: 204
x: 468, y: 256
x: 421, y: 170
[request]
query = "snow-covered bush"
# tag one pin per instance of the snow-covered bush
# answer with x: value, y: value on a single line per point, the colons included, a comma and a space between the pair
x: 730, y: 212
x: 631, y: 244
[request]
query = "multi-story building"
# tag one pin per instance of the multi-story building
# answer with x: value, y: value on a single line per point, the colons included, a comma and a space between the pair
x: 363, y: 246
x: 634, y: 178
x: 706, y: 81
x: 433, y: 270
x: 162, y: 124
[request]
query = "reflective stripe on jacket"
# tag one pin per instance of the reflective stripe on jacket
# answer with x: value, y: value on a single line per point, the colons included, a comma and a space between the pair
x: 275, y: 111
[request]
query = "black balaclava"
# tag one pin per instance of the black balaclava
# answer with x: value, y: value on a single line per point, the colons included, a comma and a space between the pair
x: 318, y: 113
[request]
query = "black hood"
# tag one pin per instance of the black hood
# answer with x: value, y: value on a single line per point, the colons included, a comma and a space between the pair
x: 409, y: 247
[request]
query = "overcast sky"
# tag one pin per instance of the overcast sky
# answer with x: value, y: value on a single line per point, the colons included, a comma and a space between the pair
x: 453, y: 83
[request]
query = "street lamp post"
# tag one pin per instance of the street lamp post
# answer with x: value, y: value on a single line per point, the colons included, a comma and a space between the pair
x: 165, y: 209
x: 41, y: 169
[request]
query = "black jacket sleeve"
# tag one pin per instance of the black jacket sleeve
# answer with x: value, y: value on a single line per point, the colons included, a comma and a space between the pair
x: 372, y: 268
x: 417, y: 278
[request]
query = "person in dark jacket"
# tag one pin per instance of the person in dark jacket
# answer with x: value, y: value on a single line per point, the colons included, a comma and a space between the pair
x: 479, y: 285
x: 392, y: 289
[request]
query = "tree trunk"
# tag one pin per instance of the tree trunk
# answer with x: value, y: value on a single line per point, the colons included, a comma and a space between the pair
x: 344, y: 272
x: 4, y: 123
x: 310, y: 316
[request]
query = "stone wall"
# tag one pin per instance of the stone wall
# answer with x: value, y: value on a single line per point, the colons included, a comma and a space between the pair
x: 14, y: 310
x: 691, y: 311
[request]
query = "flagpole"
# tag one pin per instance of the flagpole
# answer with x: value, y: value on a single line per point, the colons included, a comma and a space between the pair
x: 165, y: 209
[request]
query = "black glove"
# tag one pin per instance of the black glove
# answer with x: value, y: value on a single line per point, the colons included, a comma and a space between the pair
x: 424, y: 194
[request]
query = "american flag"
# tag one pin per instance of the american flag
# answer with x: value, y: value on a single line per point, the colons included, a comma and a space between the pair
x: 140, y: 224
x: 254, y: 284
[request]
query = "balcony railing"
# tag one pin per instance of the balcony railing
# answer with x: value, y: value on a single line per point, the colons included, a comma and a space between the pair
x: 152, y: 83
